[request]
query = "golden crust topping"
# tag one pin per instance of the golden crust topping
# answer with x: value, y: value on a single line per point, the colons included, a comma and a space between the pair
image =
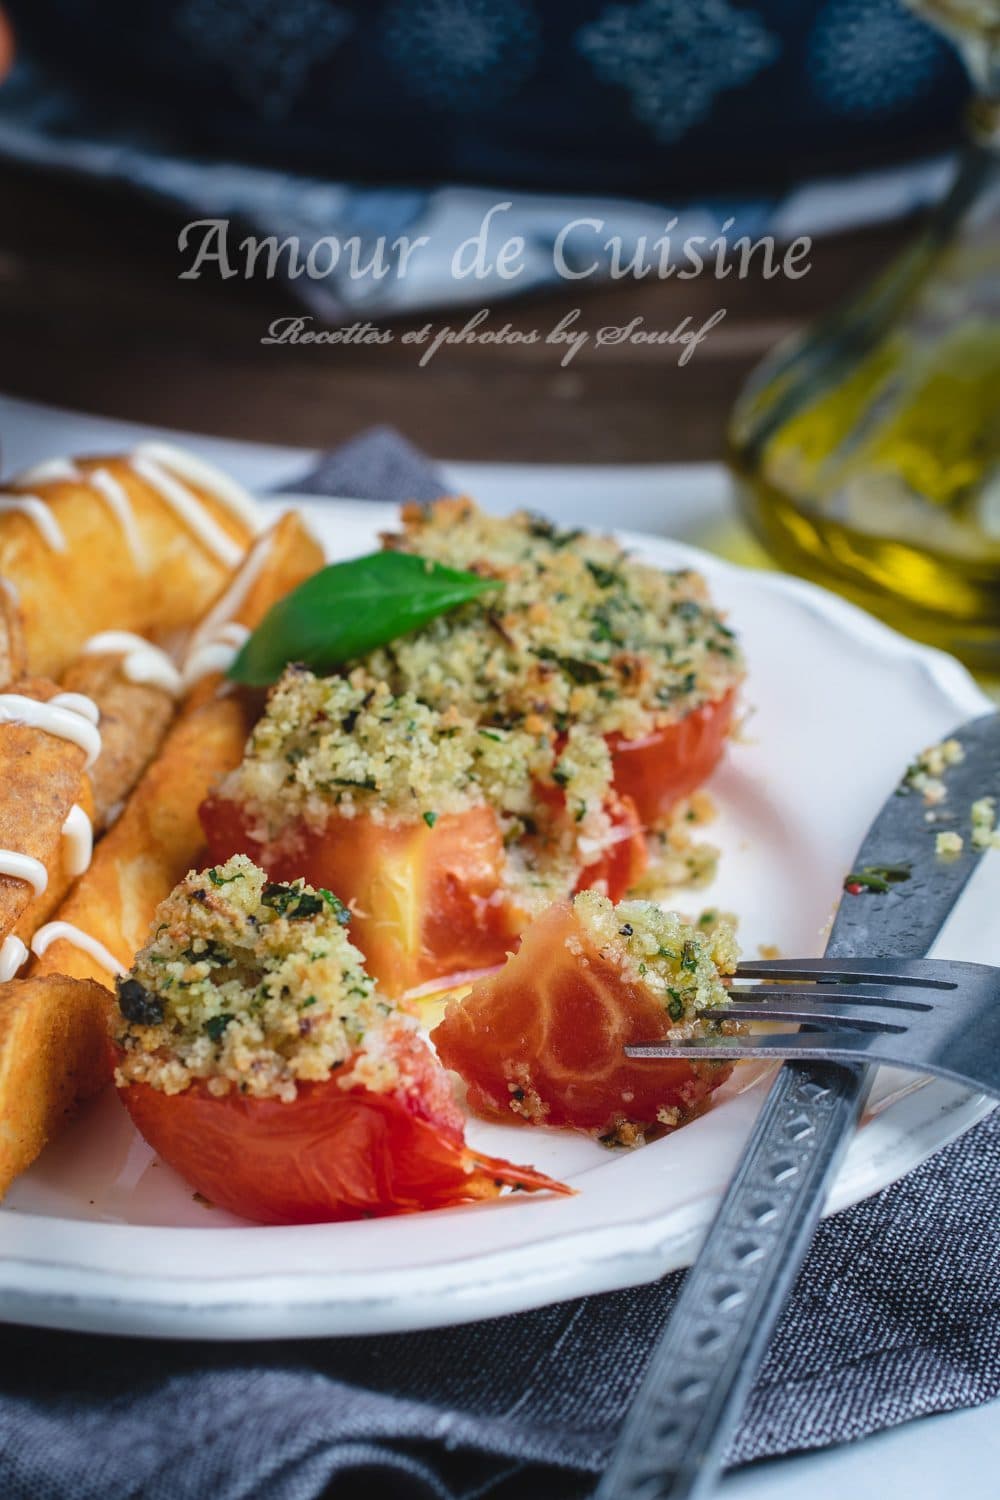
x: 247, y: 983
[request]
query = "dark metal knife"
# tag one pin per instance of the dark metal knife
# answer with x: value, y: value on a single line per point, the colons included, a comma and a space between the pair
x: 701, y: 1371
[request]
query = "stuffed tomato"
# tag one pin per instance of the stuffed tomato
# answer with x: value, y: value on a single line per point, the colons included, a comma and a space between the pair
x: 543, y: 1040
x: 503, y: 756
x: 441, y: 835
x: 259, y: 1059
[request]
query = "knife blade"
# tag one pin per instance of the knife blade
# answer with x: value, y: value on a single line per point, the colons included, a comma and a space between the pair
x: 701, y: 1371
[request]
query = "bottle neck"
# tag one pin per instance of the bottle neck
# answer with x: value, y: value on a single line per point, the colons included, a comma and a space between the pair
x: 983, y: 121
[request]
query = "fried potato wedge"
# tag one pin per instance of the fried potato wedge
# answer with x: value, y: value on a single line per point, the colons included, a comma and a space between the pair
x: 282, y: 557
x: 153, y: 844
x: 42, y: 776
x: 13, y: 653
x: 134, y: 542
x: 54, y: 1053
x: 135, y: 716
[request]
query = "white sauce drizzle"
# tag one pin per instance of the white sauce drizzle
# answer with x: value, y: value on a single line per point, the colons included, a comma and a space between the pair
x: 214, y: 656
x: 38, y: 513
x: 162, y: 466
x: 189, y: 508
x: 141, y: 660
x: 24, y: 867
x: 52, y: 932
x: 78, y: 703
x: 78, y: 841
x: 218, y: 626
x: 12, y: 956
x: 237, y: 500
x: 61, y: 716
x: 52, y: 471
x: 115, y: 496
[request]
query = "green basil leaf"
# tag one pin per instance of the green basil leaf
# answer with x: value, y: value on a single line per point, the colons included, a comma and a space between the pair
x: 348, y: 609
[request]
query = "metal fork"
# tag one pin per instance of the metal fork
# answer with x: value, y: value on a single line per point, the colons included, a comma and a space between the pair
x: 930, y: 1015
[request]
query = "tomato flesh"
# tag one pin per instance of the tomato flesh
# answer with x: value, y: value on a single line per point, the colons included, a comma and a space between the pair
x: 426, y: 902
x: 548, y: 1032
x: 660, y: 769
x: 619, y: 866
x: 329, y: 1154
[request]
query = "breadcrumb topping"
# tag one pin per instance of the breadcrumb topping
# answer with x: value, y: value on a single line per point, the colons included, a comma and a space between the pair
x: 352, y: 744
x: 580, y: 634
x: 678, y: 962
x: 250, y: 984
x: 676, y: 857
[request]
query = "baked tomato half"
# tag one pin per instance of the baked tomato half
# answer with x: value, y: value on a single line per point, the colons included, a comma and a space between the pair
x: 543, y: 1040
x: 332, y: 1153
x: 659, y: 769
x: 426, y: 901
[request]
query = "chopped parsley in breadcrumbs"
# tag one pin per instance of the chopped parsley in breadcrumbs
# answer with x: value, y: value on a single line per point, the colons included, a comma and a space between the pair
x: 348, y: 743
x: 580, y: 634
x: 249, y: 984
x: 679, y: 963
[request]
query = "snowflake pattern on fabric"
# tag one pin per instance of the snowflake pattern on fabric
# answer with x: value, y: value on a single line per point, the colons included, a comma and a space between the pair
x: 871, y: 57
x: 266, y: 48
x: 462, y: 52
x: 674, y: 57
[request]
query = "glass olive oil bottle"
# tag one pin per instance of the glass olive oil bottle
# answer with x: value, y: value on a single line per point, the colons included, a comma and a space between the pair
x: 867, y: 452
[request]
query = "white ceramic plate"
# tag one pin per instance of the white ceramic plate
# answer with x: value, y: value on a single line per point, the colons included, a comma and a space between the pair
x: 101, y: 1236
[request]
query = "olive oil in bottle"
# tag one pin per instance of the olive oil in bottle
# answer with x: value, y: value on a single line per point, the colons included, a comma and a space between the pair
x: 867, y: 453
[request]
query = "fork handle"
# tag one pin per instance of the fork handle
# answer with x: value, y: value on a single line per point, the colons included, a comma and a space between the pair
x: 715, y: 1338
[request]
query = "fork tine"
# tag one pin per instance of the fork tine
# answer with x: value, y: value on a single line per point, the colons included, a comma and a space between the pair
x: 779, y: 1044
x: 871, y: 995
x: 809, y: 1011
x: 920, y: 973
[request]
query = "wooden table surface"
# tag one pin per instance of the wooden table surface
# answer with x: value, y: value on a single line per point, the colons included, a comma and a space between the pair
x: 93, y: 316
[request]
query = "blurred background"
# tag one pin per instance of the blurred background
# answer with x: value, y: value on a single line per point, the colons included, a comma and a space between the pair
x: 858, y: 405
x: 123, y: 119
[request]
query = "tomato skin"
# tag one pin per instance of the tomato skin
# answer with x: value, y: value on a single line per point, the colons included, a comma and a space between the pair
x: 330, y: 1154
x: 426, y: 902
x: 671, y: 763
x: 553, y: 1025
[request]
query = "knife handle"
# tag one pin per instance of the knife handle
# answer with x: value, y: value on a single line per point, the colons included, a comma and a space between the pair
x: 715, y: 1338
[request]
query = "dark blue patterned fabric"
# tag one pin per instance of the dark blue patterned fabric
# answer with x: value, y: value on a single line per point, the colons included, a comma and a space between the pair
x: 618, y: 96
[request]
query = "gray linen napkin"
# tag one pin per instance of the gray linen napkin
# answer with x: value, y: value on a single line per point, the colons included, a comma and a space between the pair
x: 896, y: 1315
